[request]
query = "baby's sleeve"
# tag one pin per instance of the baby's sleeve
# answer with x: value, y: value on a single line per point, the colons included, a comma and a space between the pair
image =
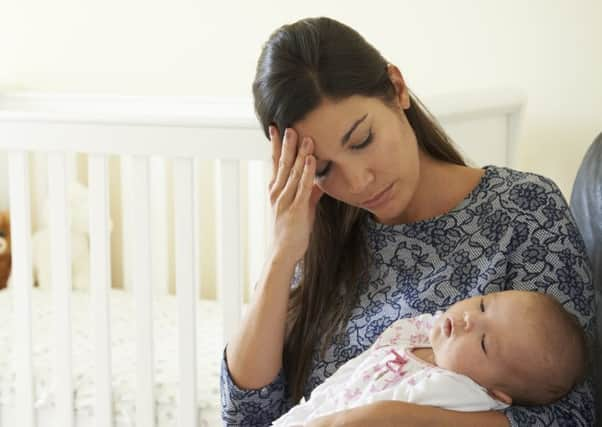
x: 448, y: 390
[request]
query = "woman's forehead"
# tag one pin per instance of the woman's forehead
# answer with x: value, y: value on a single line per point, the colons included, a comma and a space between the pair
x: 333, y: 122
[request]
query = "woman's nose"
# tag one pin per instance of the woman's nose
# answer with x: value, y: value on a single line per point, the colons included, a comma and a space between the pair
x: 358, y: 178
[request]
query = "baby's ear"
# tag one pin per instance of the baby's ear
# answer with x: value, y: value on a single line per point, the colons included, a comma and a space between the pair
x: 501, y: 396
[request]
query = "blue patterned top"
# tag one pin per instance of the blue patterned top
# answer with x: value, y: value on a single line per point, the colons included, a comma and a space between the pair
x: 513, y: 231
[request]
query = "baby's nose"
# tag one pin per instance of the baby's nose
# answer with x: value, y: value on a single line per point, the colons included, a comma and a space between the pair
x: 459, y: 323
x: 468, y: 321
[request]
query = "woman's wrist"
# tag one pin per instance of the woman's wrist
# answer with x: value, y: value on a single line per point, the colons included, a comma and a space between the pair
x: 281, y: 260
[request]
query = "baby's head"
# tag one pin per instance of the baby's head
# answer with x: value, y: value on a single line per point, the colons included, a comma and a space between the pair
x: 523, y: 347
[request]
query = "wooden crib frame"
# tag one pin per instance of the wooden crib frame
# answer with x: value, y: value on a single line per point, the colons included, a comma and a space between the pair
x: 181, y: 129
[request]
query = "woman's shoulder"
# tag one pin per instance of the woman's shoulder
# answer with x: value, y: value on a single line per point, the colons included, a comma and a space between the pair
x: 506, y: 178
x: 526, y: 190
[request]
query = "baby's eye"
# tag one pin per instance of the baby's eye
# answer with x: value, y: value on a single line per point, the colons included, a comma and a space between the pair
x: 483, y: 344
x: 482, y: 306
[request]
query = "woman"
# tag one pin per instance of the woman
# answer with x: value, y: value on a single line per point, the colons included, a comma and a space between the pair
x: 377, y: 218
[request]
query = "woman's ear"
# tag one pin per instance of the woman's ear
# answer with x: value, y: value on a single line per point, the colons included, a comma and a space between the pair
x: 501, y: 396
x: 403, y: 94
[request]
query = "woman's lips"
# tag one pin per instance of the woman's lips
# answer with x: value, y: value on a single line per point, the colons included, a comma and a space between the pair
x: 378, y: 199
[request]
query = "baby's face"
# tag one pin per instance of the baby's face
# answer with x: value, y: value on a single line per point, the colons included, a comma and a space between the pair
x: 486, y: 337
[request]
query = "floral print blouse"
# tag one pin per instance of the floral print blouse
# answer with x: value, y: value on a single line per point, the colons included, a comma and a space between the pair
x: 513, y: 231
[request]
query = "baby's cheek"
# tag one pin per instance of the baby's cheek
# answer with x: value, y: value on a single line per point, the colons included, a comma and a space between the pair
x: 450, y: 359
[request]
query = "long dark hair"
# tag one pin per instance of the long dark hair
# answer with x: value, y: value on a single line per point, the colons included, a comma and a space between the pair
x: 300, y: 66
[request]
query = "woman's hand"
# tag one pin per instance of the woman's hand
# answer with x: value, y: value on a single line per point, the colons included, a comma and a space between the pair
x: 293, y: 195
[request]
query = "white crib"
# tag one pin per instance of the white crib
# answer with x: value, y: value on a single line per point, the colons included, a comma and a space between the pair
x: 145, y: 132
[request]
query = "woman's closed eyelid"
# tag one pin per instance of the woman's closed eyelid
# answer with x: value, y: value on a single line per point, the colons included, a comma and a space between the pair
x: 364, y: 143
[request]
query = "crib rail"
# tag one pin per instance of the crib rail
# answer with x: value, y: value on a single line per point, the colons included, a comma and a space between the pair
x: 181, y: 140
x: 181, y: 130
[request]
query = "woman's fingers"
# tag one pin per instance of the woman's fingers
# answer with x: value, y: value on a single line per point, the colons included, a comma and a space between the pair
x: 291, y: 194
x: 285, y: 163
x: 316, y: 193
x: 291, y: 188
x: 306, y: 193
x: 276, y: 149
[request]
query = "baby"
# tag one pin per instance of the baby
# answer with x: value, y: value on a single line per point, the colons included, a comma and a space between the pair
x: 483, y: 353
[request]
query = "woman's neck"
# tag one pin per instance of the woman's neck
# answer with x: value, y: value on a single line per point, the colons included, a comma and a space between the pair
x: 441, y: 187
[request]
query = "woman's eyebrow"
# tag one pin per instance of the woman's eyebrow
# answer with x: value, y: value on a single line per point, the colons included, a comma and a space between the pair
x: 347, y: 135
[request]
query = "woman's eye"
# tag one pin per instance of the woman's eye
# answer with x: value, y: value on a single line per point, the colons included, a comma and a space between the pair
x: 323, y: 172
x: 366, y: 142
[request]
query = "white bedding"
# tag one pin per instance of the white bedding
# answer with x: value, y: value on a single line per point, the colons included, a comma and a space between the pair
x: 123, y: 332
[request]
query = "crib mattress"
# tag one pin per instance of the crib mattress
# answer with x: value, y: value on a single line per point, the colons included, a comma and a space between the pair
x: 123, y: 334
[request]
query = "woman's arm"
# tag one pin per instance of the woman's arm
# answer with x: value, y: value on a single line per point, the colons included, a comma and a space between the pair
x: 401, y: 414
x: 561, y: 269
x: 255, y: 353
x: 253, y: 386
x: 575, y: 409
x: 254, y: 390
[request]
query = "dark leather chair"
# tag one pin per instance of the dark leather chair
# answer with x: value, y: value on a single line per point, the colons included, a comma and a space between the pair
x: 586, y: 204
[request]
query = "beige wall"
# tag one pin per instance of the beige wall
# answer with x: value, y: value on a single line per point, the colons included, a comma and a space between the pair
x: 549, y: 48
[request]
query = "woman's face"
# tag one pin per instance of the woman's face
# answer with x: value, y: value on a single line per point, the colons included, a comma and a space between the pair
x: 366, y: 153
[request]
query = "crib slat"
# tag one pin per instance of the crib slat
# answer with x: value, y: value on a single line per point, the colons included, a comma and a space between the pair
x: 228, y: 243
x: 60, y: 257
x: 159, y: 237
x: 100, y: 283
x: 186, y: 288
x: 21, y: 282
x: 257, y: 211
x: 126, y: 173
x: 141, y: 257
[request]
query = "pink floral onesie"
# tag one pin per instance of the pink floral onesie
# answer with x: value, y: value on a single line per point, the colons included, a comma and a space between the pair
x: 389, y: 370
